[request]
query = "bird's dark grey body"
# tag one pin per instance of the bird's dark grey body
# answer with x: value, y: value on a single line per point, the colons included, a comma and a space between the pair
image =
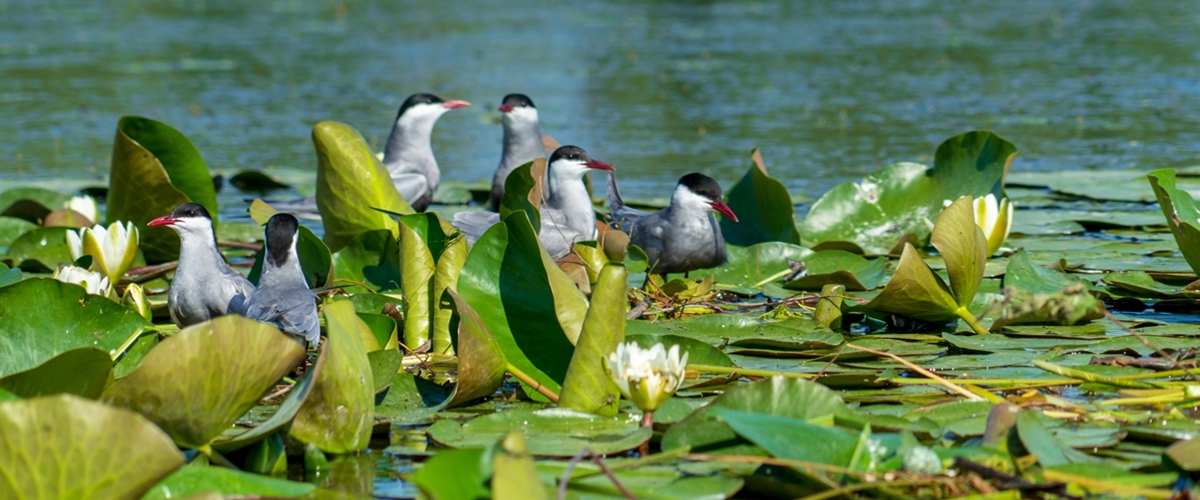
x: 682, y: 237
x: 408, y: 154
x: 283, y: 297
x: 204, y: 286
x: 522, y: 141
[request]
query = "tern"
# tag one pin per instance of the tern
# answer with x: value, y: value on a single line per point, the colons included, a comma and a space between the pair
x: 408, y: 155
x: 522, y: 141
x: 566, y: 210
x: 283, y: 297
x: 204, y: 286
x: 682, y: 237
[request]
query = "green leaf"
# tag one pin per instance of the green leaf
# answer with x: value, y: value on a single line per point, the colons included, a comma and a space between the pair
x: 41, y: 250
x: 196, y: 383
x: 763, y: 206
x: 12, y: 228
x: 1182, y: 213
x: 698, y: 352
x: 43, y: 318
x: 338, y: 413
x: 384, y: 365
x: 748, y: 266
x: 915, y: 291
x: 778, y: 396
x: 1023, y: 274
x: 82, y: 372
x: 17, y: 202
x: 532, y: 308
x: 315, y: 260
x: 371, y: 257
x: 515, y: 476
x: 790, y: 437
x: 198, y: 479
x: 963, y: 247
x: 351, y: 183
x: 282, y: 416
x: 552, y: 432
x: 481, y: 362
x: 903, y: 198
x: 1039, y: 441
x: 523, y: 191
x: 154, y: 169
x: 256, y: 181
x: 69, y: 447
x: 588, y: 387
x: 660, y: 482
x: 838, y: 267
x: 9, y: 276
x: 432, y: 253
x: 455, y: 474
x: 1184, y: 455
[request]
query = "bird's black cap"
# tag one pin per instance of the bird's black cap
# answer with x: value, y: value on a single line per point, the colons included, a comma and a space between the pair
x: 518, y: 100
x: 190, y: 210
x: 281, y: 230
x: 415, y: 99
x: 569, y: 153
x: 702, y: 185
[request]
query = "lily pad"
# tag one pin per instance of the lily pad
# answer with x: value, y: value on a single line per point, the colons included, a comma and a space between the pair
x: 698, y: 352
x: 458, y: 474
x: 12, y: 228
x: 838, y: 267
x: 790, y: 437
x: 256, y: 181
x: 372, y: 258
x: 432, y: 253
x: 43, y: 318
x: 154, y: 169
x: 282, y: 416
x: 481, y: 362
x: 196, y: 383
x: 1182, y: 213
x: 338, y: 414
x: 587, y: 386
x: 82, y: 372
x: 43, y: 458
x: 552, y: 432
x: 350, y: 184
x: 523, y: 191
x: 192, y: 480
x: 763, y: 206
x: 515, y: 474
x: 534, y: 310
x: 750, y: 266
x: 903, y: 198
x: 41, y: 250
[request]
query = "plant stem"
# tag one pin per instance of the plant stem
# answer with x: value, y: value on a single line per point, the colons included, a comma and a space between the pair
x: 531, y: 382
x: 647, y: 421
x: 950, y: 385
x: 969, y: 318
x: 1092, y: 377
x: 747, y: 371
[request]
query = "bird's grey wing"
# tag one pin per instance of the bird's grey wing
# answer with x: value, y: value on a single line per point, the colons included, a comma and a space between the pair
x: 647, y: 234
x: 240, y: 290
x: 294, y: 313
x: 412, y: 186
x: 474, y: 224
x: 622, y: 215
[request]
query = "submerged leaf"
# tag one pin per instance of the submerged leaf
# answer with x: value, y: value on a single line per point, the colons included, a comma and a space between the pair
x: 196, y: 383
x: 69, y: 447
x: 154, y: 169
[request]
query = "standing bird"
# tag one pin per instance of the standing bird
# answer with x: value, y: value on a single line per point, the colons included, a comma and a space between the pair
x: 408, y: 155
x: 566, y: 211
x: 283, y: 297
x: 204, y: 286
x: 522, y: 141
x: 682, y: 237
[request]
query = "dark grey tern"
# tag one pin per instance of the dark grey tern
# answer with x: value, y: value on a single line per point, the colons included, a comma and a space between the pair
x: 682, y: 237
x: 566, y: 209
x: 283, y: 297
x: 204, y: 286
x: 522, y: 141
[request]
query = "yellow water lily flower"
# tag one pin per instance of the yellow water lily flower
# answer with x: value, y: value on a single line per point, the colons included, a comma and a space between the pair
x: 135, y: 298
x: 84, y: 205
x: 113, y: 249
x: 95, y: 283
x: 647, y: 377
x: 995, y: 219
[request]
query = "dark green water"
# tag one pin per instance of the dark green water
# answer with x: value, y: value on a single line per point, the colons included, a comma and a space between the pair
x: 829, y: 90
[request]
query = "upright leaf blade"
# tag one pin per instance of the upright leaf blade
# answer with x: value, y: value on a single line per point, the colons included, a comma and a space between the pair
x: 588, y: 387
x: 915, y: 291
x: 523, y: 191
x: 764, y: 209
x: 350, y: 181
x: 1182, y: 213
x: 337, y: 415
x: 481, y: 362
x: 963, y: 246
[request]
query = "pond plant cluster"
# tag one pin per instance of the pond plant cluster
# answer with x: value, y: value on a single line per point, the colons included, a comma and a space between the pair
x: 912, y: 336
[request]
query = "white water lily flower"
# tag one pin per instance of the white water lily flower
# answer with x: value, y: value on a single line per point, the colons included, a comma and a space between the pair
x: 995, y: 219
x: 647, y: 377
x: 95, y: 283
x: 135, y: 298
x: 84, y: 205
x: 113, y: 249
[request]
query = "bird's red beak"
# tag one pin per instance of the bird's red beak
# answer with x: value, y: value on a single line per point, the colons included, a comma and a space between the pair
x: 720, y: 206
x: 455, y: 104
x: 165, y: 220
x: 598, y: 165
x: 504, y: 108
